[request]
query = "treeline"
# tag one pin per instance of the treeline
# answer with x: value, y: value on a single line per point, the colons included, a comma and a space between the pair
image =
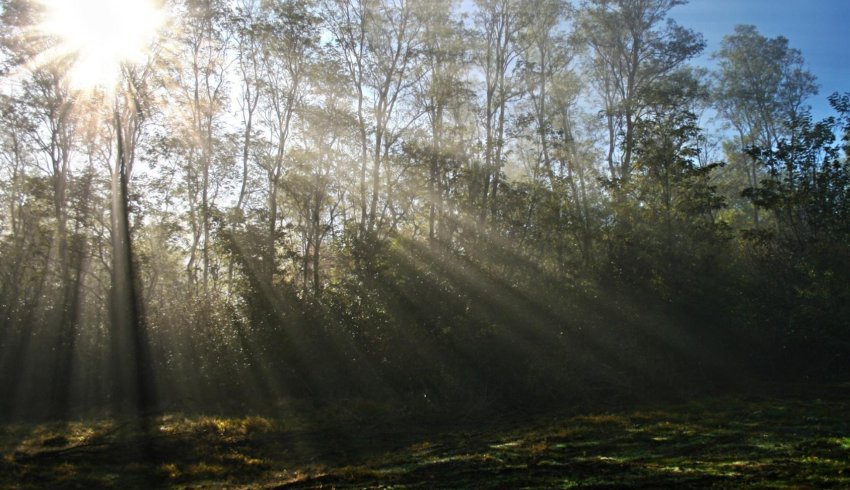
x: 419, y: 202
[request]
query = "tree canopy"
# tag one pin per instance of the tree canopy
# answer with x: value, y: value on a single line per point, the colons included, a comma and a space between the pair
x: 415, y: 202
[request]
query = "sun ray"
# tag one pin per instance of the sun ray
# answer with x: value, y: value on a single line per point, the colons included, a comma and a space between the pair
x: 99, y: 35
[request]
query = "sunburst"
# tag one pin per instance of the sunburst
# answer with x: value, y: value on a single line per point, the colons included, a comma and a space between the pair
x: 99, y: 36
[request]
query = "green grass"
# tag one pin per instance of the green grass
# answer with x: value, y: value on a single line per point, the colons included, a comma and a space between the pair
x: 716, y: 443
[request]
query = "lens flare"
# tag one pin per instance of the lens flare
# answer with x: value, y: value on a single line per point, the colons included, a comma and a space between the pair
x: 100, y: 35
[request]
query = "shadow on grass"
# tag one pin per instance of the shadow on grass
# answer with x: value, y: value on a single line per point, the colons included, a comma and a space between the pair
x: 719, y: 442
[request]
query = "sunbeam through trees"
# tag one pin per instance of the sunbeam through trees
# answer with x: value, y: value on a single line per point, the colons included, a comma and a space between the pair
x: 428, y: 212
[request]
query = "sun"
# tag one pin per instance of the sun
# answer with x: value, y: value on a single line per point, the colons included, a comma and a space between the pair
x: 100, y: 35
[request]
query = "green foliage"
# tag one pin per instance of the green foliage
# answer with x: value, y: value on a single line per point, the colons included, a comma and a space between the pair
x: 806, y: 189
x: 378, y: 200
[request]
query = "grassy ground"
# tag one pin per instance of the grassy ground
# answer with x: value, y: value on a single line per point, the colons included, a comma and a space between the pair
x: 714, y: 443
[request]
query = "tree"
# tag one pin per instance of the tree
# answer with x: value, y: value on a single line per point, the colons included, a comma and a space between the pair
x: 559, y: 163
x: 760, y: 89
x: 43, y: 115
x: 632, y: 49
x: 441, y: 91
x: 248, y: 32
x: 134, y: 371
x: 804, y: 186
x: 290, y: 38
x: 200, y: 72
x: 497, y: 23
x: 805, y: 181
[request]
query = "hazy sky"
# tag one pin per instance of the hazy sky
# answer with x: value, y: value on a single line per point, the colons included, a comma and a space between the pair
x: 818, y: 28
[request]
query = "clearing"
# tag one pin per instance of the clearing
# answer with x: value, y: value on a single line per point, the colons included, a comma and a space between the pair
x: 732, y: 442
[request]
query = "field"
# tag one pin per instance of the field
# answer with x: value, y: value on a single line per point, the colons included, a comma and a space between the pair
x: 731, y: 442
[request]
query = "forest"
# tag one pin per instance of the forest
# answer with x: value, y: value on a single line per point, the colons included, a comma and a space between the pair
x: 303, y: 231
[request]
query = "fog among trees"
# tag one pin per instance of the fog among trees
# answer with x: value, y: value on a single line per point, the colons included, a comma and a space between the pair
x: 431, y: 205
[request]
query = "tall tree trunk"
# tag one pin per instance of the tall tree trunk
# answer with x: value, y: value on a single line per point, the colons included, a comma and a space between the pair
x: 134, y: 387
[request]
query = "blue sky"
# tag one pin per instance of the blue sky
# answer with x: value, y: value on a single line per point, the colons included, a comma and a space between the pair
x: 818, y: 28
